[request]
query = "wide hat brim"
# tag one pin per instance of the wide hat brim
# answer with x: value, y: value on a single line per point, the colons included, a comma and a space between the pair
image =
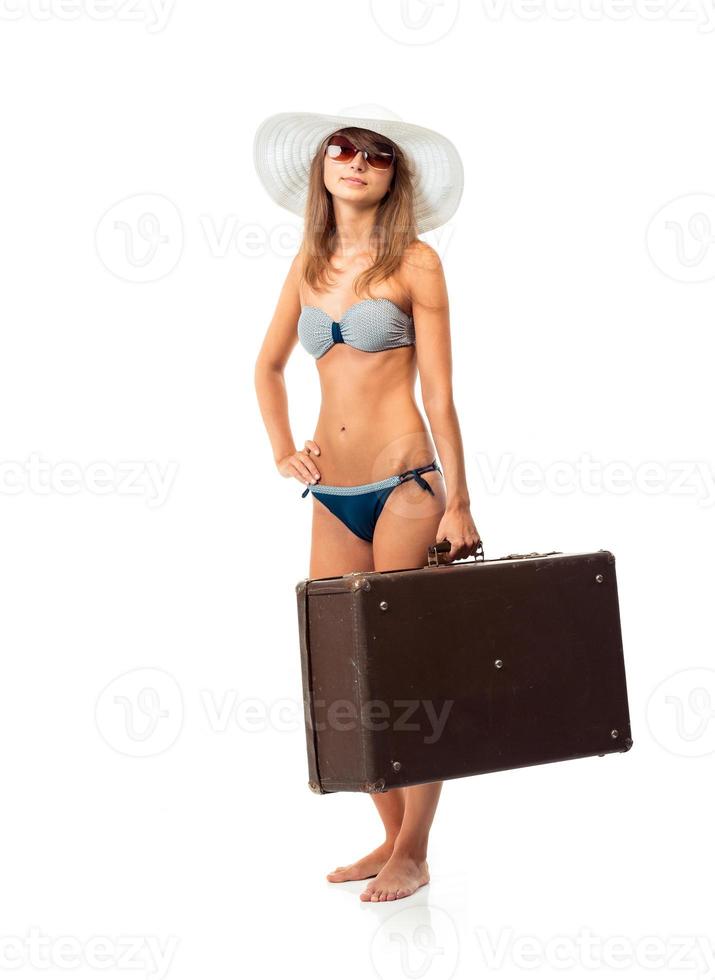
x: 285, y: 144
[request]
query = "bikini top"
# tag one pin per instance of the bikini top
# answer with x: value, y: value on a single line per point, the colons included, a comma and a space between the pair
x: 370, y: 325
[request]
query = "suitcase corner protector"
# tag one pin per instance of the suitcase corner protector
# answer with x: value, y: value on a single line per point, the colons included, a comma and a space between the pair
x: 609, y: 556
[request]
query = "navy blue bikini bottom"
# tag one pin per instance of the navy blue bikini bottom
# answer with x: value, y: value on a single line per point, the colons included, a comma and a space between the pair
x: 359, y: 507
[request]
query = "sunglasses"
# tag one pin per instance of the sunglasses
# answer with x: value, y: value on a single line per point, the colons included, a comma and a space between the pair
x: 342, y: 150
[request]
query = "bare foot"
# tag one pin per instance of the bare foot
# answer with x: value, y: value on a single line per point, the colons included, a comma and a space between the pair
x: 364, y: 868
x: 400, y: 877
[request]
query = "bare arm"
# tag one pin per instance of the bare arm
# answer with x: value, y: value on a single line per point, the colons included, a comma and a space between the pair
x: 430, y: 310
x: 281, y: 337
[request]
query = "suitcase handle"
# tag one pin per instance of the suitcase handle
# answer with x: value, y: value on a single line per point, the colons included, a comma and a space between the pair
x: 435, y: 550
x: 443, y: 547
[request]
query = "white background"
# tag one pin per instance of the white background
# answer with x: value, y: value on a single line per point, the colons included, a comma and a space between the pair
x: 582, y: 318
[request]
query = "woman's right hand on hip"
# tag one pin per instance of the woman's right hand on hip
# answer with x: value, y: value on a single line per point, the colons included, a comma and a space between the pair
x: 300, y: 464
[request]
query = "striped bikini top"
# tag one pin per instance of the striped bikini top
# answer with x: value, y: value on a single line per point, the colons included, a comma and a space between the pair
x: 370, y: 325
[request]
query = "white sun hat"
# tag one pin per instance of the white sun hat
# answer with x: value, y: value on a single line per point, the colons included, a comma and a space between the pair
x: 285, y: 144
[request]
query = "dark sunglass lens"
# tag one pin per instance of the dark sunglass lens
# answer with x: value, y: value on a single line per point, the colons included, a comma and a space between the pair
x: 380, y: 161
x: 340, y: 149
x: 382, y: 157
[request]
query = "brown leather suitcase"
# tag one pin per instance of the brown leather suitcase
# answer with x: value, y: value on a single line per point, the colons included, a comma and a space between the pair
x: 456, y: 669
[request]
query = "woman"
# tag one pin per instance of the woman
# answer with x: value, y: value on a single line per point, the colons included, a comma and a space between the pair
x: 368, y: 300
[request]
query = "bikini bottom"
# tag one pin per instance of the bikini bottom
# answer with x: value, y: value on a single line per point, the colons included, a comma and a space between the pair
x: 359, y: 507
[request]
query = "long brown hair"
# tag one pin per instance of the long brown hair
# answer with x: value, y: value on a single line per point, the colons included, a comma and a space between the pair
x: 394, y: 228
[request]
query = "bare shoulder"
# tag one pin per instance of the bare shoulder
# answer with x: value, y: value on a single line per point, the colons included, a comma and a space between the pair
x: 423, y: 275
x: 296, y: 265
x: 421, y: 257
x: 290, y: 291
x: 288, y: 306
x: 295, y: 273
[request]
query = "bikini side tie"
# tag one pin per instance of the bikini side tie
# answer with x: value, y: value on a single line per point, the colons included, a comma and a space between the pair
x: 415, y: 474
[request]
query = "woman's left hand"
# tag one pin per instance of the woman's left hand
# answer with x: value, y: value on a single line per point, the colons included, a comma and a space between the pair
x: 461, y: 532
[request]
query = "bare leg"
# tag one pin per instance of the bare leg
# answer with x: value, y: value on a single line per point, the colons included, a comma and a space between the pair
x: 335, y: 550
x: 407, y: 869
x: 406, y: 528
x: 391, y: 807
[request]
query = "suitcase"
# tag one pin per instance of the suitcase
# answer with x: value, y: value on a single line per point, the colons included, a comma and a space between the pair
x: 462, y: 668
